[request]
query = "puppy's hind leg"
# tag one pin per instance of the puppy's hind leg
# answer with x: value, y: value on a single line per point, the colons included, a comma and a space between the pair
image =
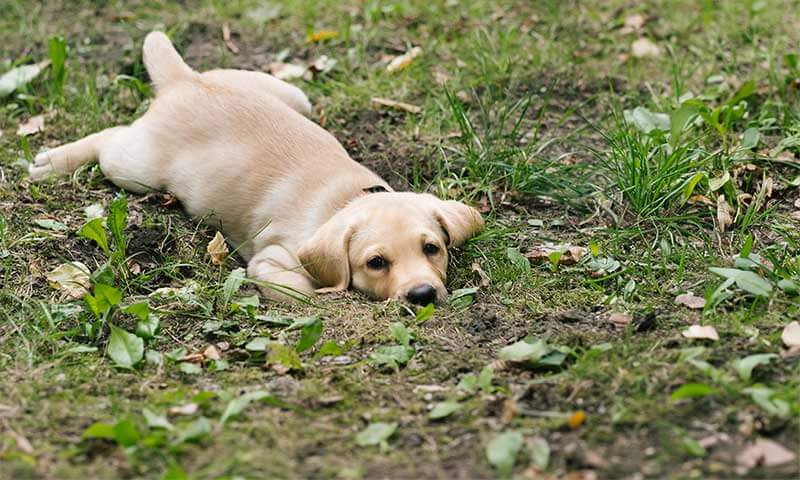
x: 67, y: 158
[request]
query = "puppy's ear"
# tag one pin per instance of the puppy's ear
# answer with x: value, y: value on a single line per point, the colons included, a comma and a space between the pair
x: 459, y: 221
x: 325, y: 255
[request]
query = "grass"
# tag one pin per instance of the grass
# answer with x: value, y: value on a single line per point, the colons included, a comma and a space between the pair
x: 523, y: 114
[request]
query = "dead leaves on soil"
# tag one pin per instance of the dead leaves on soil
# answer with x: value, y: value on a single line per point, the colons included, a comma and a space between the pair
x: 217, y: 249
x: 570, y: 254
x: 72, y: 278
x: 691, y: 300
x: 406, y: 107
x: 699, y: 332
x: 401, y: 62
x: 765, y: 452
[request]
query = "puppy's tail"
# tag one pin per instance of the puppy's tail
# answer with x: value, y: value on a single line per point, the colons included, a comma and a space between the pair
x: 163, y: 62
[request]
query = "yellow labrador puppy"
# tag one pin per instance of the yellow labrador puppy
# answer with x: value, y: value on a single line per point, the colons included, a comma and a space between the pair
x: 236, y: 147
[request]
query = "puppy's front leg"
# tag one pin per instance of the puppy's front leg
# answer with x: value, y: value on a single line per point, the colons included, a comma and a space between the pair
x: 283, y: 277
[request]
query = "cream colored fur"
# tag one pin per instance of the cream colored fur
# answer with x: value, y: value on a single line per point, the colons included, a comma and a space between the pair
x: 237, y: 148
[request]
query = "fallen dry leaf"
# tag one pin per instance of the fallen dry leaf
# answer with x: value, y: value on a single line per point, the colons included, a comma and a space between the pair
x: 724, y: 213
x: 634, y: 23
x: 576, y: 419
x: 400, y: 62
x: 791, y: 334
x: 620, y: 319
x: 321, y: 35
x: 643, y: 47
x: 570, y: 254
x: 765, y: 452
x: 509, y: 411
x: 211, y: 353
x: 323, y: 64
x: 485, y: 280
x: 701, y: 332
x: 71, y: 277
x: 690, y: 300
x: 194, y: 357
x: 217, y: 249
x: 23, y: 444
x: 32, y: 126
x: 187, y: 409
x: 406, y: 107
x: 286, y: 71
x: 226, y: 38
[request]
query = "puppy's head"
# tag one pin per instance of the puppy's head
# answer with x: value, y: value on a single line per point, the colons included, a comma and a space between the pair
x: 390, y: 245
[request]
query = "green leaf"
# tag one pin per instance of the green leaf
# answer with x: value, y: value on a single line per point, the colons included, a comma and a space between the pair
x: 789, y: 286
x: 57, y: 51
x: 502, y: 451
x: 400, y: 333
x: 309, y: 335
x: 107, y: 295
x: 149, y: 327
x: 190, y: 368
x: 233, y: 283
x: 680, y: 119
x: 689, y: 186
x: 748, y: 281
x: 444, y: 409
x: 692, y: 390
x: 716, y: 183
x: 744, y: 366
x: 462, y: 297
x: 765, y: 398
x: 125, y: 349
x: 155, y: 420
x: 17, y: 77
x: 523, y: 351
x: 116, y: 221
x: 48, y: 224
x: 750, y: 138
x: 125, y: 433
x: 485, y: 379
x: 691, y: 446
x: 747, y: 89
x: 175, y: 472
x: 258, y: 344
x: 469, y: 382
x: 99, y: 430
x: 377, y: 433
x: 540, y: 453
x: 284, y: 355
x: 193, y: 431
x: 237, y: 405
x: 329, y: 349
x: 424, y: 313
x: 646, y: 121
x: 140, y: 310
x: 518, y: 259
x: 392, y: 356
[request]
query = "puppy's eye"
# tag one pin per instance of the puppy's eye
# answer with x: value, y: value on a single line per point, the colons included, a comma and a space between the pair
x: 430, y: 249
x: 376, y: 263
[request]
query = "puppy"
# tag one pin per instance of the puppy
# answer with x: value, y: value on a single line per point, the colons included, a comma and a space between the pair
x: 237, y: 149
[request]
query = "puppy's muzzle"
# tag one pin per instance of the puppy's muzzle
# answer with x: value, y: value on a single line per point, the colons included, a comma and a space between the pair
x: 422, y: 294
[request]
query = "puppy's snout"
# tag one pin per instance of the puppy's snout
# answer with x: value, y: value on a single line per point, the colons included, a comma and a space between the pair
x: 422, y: 294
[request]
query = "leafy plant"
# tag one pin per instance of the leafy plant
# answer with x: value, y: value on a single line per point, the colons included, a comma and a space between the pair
x: 57, y: 51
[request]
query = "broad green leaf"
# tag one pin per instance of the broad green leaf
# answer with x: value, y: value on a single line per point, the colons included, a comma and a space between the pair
x: 154, y: 357
x: 502, y: 451
x: 329, y: 349
x: 485, y: 379
x: 748, y: 281
x: 462, y: 297
x: 747, y: 89
x: 236, y: 405
x: 125, y: 433
x: 523, y: 351
x: 750, y: 138
x: 107, y: 295
x: 377, y: 433
x: 468, y: 382
x: 232, y: 284
x: 680, y: 119
x: 81, y: 349
x: 646, y: 121
x: 518, y: 259
x: 284, y: 355
x: 689, y: 186
x: 765, y: 398
x: 744, y: 366
x: 193, y: 431
x: 125, y: 349
x: 258, y: 344
x: 444, y: 409
x: 716, y: 183
x: 155, y: 420
x: 190, y: 368
x: 149, y: 327
x: 57, y: 51
x: 392, y: 356
x: 691, y: 446
x: 789, y: 286
x: 540, y: 453
x: 175, y: 472
x: 49, y: 224
x: 140, y: 310
x: 692, y: 390
x: 99, y: 430
x: 17, y: 77
x: 400, y: 333
x: 176, y: 355
x: 116, y: 221
x: 424, y: 313
x: 309, y: 335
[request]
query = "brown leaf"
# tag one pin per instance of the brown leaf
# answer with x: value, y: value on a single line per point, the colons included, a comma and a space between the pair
x: 644, y: 47
x: 765, y: 452
x: 72, y: 278
x: 23, y: 444
x: 509, y: 411
x: 570, y: 256
x: 217, y: 249
x: 32, y: 126
x: 619, y: 319
x: 791, y: 334
x: 634, y: 23
x: 226, y: 38
x: 690, y: 300
x: 401, y: 62
x: 406, y: 107
x: 194, y: 357
x: 187, y: 409
x: 323, y: 64
x: 485, y: 280
x: 724, y: 214
x: 701, y: 332
x: 211, y: 353
x: 286, y: 71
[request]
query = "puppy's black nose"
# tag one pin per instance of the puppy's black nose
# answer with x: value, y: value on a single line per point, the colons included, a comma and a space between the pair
x: 422, y: 294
